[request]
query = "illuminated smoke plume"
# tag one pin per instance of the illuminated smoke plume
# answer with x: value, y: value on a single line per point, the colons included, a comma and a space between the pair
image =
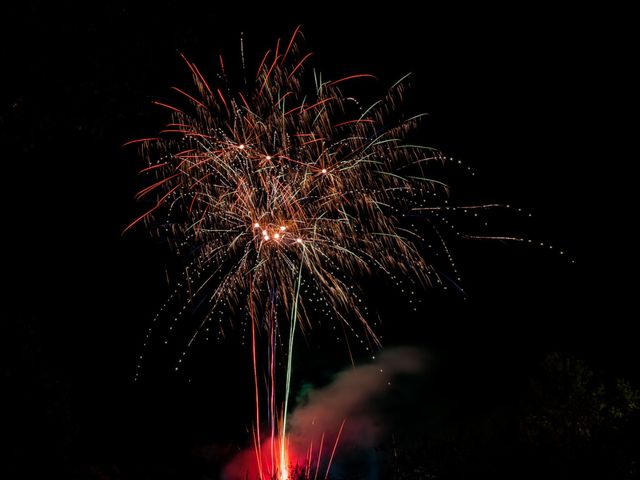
x: 348, y: 402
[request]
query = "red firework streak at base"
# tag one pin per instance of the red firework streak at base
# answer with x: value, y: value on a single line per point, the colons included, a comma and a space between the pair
x: 281, y: 196
x: 269, y: 461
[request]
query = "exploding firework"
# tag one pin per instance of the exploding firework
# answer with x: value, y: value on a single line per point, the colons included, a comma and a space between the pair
x: 281, y: 184
x: 281, y: 194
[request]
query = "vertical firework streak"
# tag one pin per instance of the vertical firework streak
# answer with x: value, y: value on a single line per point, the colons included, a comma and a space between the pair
x: 292, y: 330
x: 281, y: 196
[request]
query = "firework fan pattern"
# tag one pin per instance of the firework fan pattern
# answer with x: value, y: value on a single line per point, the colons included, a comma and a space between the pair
x: 265, y: 188
x: 285, y: 187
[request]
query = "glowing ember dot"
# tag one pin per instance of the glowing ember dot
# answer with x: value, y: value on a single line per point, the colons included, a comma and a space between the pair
x: 241, y: 147
x: 264, y: 232
x: 276, y: 235
x: 256, y: 225
x: 299, y: 240
x: 283, y: 228
x: 268, y: 157
x: 265, y: 237
x: 324, y: 170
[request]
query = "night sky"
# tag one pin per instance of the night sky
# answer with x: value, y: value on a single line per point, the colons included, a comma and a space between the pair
x: 525, y: 97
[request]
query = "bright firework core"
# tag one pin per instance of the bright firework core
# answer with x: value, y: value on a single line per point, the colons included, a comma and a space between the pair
x: 275, y: 232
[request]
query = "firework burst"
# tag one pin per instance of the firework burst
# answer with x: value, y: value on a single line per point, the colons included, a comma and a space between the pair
x: 285, y: 187
x: 266, y: 187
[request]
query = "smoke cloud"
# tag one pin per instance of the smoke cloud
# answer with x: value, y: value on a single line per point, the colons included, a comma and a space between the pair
x: 340, y: 415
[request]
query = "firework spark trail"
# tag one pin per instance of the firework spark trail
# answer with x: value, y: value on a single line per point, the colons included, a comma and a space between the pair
x: 279, y: 190
x: 274, y: 182
x: 292, y: 330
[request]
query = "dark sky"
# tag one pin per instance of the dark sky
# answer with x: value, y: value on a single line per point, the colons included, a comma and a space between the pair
x: 527, y: 97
